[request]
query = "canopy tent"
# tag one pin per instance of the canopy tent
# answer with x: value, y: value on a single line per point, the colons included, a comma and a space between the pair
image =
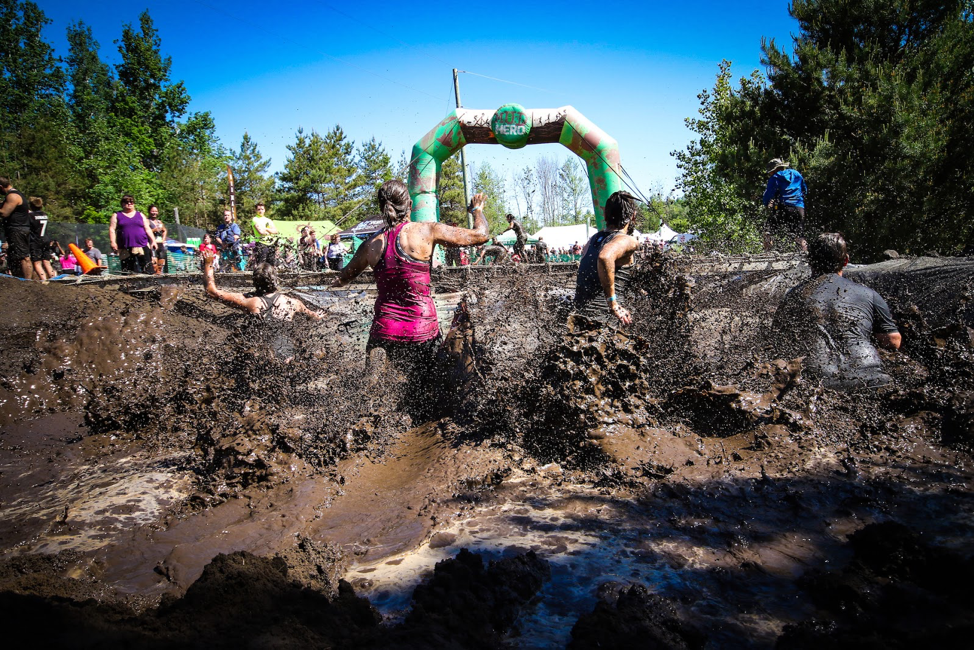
x: 323, y: 229
x: 568, y: 236
x: 365, y: 228
x: 174, y: 246
x: 664, y: 234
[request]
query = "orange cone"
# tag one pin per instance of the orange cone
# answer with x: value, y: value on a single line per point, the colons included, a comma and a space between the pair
x: 87, y: 266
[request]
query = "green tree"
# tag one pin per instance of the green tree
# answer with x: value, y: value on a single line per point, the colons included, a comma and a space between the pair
x: 320, y: 178
x: 573, y: 186
x: 147, y: 104
x: 449, y: 192
x: 487, y: 181
x: 374, y: 168
x: 250, y: 179
x: 36, y: 136
x: 194, y: 172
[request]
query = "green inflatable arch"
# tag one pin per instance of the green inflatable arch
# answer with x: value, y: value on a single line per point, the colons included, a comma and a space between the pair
x: 514, y: 127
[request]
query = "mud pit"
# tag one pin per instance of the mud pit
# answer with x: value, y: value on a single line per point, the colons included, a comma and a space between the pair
x: 167, y: 481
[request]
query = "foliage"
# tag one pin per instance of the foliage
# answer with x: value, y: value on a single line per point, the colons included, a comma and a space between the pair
x: 449, y: 191
x: 489, y: 182
x: 873, y: 106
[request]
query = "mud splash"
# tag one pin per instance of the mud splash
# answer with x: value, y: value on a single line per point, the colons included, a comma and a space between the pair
x: 675, y: 482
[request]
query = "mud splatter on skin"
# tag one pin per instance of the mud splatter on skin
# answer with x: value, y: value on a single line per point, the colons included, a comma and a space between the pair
x: 710, y: 474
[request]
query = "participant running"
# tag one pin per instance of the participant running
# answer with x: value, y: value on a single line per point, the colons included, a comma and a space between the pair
x: 603, y: 271
x: 405, y: 323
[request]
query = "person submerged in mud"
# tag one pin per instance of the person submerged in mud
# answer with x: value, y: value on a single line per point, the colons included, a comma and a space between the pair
x: 265, y: 301
x: 835, y: 318
x: 604, y: 270
x: 405, y: 324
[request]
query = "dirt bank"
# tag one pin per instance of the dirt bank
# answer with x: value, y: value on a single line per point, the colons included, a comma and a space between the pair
x: 676, y: 481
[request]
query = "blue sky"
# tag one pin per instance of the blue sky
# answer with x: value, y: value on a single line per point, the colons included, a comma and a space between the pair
x: 385, y: 69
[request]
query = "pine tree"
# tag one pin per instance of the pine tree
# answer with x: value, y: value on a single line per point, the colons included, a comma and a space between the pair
x: 374, y: 168
x: 250, y: 179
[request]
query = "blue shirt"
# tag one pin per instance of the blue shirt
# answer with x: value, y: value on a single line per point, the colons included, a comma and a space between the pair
x: 225, y: 233
x: 787, y: 187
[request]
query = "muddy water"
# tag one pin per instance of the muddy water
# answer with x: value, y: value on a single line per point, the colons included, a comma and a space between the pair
x: 144, y: 435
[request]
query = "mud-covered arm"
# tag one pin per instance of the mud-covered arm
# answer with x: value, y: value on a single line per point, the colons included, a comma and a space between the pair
x: 359, y: 262
x: 620, y: 248
x: 303, y: 309
x: 448, y: 235
x: 884, y: 327
x: 238, y: 300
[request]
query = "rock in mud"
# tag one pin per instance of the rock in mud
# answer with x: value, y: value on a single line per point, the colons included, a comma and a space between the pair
x: 638, y: 619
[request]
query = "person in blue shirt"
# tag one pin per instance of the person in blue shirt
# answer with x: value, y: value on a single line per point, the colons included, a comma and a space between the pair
x: 785, y: 197
x: 228, y: 234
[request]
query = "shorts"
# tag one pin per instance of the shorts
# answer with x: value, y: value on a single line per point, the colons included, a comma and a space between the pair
x: 160, y: 252
x: 39, y: 249
x: 18, y: 241
x: 786, y: 221
x: 336, y: 263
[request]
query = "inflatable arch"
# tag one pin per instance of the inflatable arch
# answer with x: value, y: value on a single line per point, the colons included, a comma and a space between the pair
x: 514, y: 127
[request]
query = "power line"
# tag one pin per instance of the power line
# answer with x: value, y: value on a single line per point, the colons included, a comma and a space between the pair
x: 505, y: 81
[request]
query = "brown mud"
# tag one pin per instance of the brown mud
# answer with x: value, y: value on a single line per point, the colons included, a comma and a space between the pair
x: 167, y: 480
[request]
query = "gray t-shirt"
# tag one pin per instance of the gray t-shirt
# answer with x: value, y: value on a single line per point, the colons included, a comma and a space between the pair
x: 833, y: 318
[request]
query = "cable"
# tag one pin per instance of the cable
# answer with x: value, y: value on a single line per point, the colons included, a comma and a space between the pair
x: 505, y: 81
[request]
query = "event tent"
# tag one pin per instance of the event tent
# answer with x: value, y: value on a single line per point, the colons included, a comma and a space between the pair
x: 567, y: 236
x: 664, y: 234
x: 323, y: 229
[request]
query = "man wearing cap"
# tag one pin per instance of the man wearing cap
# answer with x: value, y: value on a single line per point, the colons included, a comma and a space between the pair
x: 785, y: 197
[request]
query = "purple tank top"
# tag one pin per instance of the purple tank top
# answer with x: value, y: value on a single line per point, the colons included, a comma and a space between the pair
x: 404, y: 310
x: 130, y: 231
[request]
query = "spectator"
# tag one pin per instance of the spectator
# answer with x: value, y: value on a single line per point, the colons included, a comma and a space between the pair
x: 160, y: 234
x: 16, y: 219
x: 68, y: 264
x: 309, y: 249
x: 336, y: 253
x: 785, y: 196
x: 93, y: 253
x: 265, y: 236
x: 43, y: 270
x: 207, y: 247
x: 541, y: 251
x: 228, y: 238
x: 131, y: 237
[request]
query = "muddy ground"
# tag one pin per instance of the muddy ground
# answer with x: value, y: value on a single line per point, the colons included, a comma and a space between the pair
x: 167, y: 480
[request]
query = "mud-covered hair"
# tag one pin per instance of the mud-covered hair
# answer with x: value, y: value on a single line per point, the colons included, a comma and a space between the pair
x: 827, y: 253
x: 265, y: 279
x: 394, y: 201
x: 620, y: 209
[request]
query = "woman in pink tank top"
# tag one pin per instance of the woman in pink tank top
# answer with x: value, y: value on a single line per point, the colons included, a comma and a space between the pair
x: 405, y: 322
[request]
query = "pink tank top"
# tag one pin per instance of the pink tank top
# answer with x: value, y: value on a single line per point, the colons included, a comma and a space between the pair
x: 404, y: 310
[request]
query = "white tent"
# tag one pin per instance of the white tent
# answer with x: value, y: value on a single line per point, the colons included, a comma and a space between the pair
x: 664, y: 234
x: 567, y: 236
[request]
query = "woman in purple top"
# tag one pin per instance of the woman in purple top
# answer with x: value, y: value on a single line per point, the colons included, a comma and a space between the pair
x: 131, y: 237
x: 405, y: 322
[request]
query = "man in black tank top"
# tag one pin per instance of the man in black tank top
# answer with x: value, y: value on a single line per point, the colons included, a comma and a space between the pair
x: 603, y: 272
x: 16, y: 220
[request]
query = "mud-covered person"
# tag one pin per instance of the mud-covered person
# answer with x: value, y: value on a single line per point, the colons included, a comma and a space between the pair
x: 832, y: 321
x: 496, y: 252
x: 266, y: 302
x: 604, y: 270
x: 16, y: 222
x: 130, y: 236
x: 520, y: 238
x: 405, y: 324
x: 39, y: 241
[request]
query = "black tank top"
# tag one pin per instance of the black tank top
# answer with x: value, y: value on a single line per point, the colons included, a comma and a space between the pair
x: 589, y: 297
x: 20, y: 217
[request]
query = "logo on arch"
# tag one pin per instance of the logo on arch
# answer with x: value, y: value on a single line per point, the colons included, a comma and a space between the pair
x: 511, y: 125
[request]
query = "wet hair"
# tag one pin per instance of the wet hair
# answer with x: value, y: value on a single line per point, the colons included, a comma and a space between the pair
x: 36, y: 202
x: 265, y: 279
x: 4, y: 182
x: 827, y: 253
x: 619, y: 209
x: 128, y: 197
x: 394, y: 201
